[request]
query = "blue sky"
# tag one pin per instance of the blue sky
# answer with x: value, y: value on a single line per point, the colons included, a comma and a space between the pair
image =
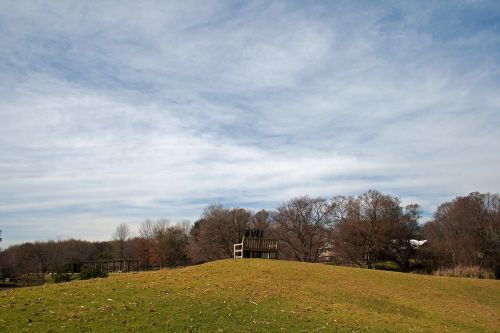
x: 115, y: 112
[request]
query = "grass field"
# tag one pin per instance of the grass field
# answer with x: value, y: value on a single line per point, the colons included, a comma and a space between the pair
x: 252, y: 295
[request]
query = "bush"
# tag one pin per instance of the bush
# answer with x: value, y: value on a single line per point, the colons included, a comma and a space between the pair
x: 466, y: 271
x: 59, y: 277
x: 91, y: 273
x: 387, y: 266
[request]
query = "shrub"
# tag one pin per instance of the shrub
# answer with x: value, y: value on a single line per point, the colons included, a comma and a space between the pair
x: 387, y: 266
x: 59, y: 277
x: 466, y: 271
x: 90, y: 273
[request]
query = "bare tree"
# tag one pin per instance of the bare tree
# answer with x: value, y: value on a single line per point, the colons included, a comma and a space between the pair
x: 120, y: 236
x: 171, y: 242
x: 20, y: 259
x: 372, y: 226
x: 402, y: 234
x: 146, y: 230
x: 466, y: 231
x: 51, y: 255
x: 213, y: 236
x: 378, y: 214
x: 144, y: 245
x: 348, y: 237
x: 262, y: 220
x: 303, y: 224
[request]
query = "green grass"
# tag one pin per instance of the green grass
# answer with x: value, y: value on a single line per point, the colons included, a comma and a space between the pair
x: 256, y: 296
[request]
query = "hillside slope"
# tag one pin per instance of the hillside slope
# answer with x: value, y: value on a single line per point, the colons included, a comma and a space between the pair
x: 257, y: 296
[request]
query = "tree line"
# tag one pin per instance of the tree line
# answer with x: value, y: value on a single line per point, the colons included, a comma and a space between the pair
x: 362, y: 231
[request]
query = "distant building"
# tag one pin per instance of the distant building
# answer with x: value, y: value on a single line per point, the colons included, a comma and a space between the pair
x: 415, y: 243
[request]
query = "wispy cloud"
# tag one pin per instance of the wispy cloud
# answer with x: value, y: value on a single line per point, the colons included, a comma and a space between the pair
x: 115, y: 112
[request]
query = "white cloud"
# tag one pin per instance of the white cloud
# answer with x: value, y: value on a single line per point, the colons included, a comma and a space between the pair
x: 118, y: 113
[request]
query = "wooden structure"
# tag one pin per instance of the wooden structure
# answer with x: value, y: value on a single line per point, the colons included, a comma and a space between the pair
x: 254, y: 245
x: 110, y: 266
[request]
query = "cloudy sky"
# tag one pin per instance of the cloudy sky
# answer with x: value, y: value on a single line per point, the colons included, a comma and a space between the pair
x: 116, y: 112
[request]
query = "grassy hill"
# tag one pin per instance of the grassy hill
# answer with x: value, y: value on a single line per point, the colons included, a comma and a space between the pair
x: 257, y: 296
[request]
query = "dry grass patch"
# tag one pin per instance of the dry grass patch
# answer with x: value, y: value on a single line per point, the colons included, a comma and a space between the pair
x: 466, y: 272
x: 256, y: 296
